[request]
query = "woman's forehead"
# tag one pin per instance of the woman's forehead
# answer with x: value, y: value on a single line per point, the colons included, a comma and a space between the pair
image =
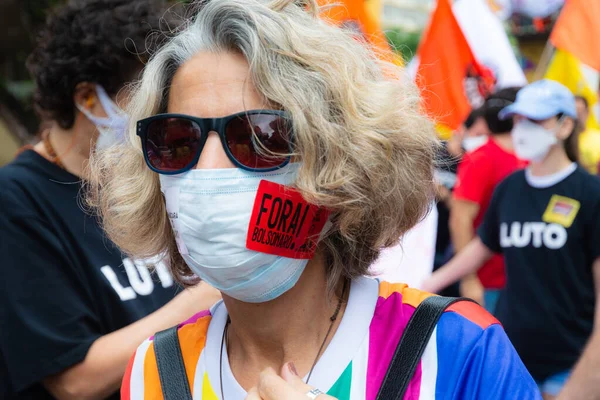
x: 213, y: 85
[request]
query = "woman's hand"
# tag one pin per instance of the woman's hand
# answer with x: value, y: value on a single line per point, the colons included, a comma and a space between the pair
x: 472, y: 288
x: 288, y: 386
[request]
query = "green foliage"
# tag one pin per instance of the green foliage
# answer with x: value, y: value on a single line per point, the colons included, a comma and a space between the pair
x: 405, y: 43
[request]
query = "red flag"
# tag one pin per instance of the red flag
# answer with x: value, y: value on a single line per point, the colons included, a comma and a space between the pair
x: 451, y: 80
x: 577, y: 31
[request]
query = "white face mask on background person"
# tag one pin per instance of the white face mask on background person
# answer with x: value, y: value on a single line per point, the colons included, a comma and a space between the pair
x: 472, y: 143
x: 210, y: 212
x: 532, y: 141
x: 112, y: 127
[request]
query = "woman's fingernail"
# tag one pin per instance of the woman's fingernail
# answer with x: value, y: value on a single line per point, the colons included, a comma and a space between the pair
x: 292, y: 369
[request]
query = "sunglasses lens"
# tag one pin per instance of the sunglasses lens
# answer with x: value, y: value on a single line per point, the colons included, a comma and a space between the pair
x: 259, y: 141
x: 172, y: 143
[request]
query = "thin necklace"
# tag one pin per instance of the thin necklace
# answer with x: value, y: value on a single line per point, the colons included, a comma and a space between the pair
x: 50, y: 150
x: 333, y: 318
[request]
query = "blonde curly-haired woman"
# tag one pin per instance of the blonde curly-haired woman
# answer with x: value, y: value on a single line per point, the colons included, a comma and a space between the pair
x: 273, y: 157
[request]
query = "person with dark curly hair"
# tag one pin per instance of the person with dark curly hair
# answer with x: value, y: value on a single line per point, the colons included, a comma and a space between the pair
x: 73, y: 307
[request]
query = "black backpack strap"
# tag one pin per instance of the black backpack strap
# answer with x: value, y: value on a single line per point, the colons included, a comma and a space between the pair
x: 171, y: 369
x: 412, y: 345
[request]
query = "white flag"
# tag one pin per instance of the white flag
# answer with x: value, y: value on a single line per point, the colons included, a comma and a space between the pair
x: 410, y: 261
x: 531, y: 8
x: 488, y: 41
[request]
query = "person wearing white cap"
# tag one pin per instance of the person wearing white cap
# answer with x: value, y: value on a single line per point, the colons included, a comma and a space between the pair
x: 544, y: 220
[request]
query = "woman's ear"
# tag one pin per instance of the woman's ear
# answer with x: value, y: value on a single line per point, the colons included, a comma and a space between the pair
x: 85, y: 95
x: 566, y: 128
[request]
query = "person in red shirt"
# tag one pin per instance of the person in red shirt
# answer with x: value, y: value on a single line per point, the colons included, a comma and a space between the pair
x: 478, y: 174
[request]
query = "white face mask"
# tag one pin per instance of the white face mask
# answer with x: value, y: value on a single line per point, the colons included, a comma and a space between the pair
x: 214, y: 214
x: 112, y: 127
x: 472, y: 143
x: 532, y: 142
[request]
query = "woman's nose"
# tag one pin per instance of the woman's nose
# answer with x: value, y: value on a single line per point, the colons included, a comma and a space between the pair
x: 213, y: 154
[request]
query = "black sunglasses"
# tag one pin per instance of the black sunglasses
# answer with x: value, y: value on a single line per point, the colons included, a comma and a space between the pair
x: 256, y: 140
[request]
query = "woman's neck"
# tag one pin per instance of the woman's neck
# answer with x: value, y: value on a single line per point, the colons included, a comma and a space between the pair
x: 555, y: 161
x: 292, y: 327
x: 504, y: 141
x: 71, y: 146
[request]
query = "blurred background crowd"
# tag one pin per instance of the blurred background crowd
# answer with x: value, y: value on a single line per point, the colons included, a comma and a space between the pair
x: 527, y: 25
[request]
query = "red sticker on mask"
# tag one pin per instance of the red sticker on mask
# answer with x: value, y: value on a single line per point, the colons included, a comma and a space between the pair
x: 283, y: 223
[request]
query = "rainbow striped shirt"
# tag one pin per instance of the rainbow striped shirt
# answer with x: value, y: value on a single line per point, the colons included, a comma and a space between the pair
x: 468, y: 356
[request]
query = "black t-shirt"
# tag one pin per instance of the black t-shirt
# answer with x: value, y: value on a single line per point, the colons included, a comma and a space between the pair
x: 550, y: 238
x: 64, y: 284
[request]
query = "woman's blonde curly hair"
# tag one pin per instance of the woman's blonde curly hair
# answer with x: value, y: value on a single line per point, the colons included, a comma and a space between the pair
x: 367, y: 149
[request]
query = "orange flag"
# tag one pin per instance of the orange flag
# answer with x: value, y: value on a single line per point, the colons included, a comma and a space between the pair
x: 577, y: 31
x: 358, y: 15
x: 450, y: 78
